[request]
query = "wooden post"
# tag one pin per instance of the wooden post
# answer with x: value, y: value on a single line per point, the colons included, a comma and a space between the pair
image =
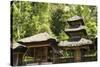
x: 77, y: 55
x: 34, y: 56
x: 17, y: 59
x: 53, y: 58
x: 20, y: 59
x: 46, y: 54
x: 40, y: 55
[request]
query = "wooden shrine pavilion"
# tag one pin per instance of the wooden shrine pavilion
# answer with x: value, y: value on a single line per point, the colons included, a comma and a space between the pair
x: 78, y: 38
x: 40, y: 48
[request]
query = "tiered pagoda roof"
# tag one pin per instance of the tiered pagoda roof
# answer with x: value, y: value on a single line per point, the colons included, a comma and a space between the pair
x: 75, y: 21
x: 77, y: 33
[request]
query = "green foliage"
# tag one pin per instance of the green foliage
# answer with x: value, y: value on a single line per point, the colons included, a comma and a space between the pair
x: 30, y: 18
x: 63, y: 36
x: 57, y: 24
x: 67, y: 54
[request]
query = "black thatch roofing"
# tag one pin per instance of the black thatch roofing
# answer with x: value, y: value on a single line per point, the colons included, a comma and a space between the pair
x: 74, y: 18
x: 41, y: 39
x: 36, y: 38
x: 17, y: 45
x: 75, y: 29
x: 81, y: 42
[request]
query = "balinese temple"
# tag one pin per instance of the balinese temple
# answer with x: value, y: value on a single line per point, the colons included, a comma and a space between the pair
x: 41, y: 48
x: 78, y: 39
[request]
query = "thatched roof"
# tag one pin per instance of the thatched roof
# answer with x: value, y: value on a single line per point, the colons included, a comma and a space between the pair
x: 36, y: 38
x: 81, y: 42
x: 75, y: 29
x: 74, y: 18
x: 16, y: 45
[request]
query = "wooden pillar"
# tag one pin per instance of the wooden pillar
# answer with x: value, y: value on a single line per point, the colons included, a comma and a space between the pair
x: 34, y: 55
x: 77, y: 55
x: 46, y: 54
x: 40, y: 55
x: 54, y: 58
x: 19, y: 59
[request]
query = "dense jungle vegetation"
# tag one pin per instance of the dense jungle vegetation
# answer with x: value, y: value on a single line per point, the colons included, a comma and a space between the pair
x: 30, y: 18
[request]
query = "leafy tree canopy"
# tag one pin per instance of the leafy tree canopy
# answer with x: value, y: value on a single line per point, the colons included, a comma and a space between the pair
x: 30, y: 18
